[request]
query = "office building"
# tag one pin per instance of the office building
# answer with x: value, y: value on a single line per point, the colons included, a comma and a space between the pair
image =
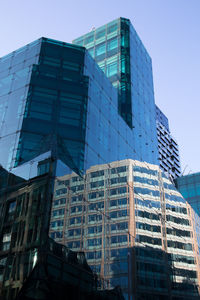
x: 119, y: 52
x: 58, y: 114
x: 133, y: 226
x: 33, y: 266
x: 60, y: 273
x: 47, y: 128
x: 25, y: 213
x: 167, y: 147
x: 61, y: 116
x: 189, y: 187
x: 54, y: 96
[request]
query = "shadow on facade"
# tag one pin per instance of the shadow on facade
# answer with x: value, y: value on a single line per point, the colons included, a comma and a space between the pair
x: 63, y: 274
x: 33, y: 266
x: 154, y: 275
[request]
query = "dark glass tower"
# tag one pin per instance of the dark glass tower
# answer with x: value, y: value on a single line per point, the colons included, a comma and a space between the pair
x: 58, y: 114
x: 51, y: 122
x: 55, y: 98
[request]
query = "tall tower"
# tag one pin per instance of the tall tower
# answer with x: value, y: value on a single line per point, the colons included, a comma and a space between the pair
x: 58, y: 115
x: 121, y: 55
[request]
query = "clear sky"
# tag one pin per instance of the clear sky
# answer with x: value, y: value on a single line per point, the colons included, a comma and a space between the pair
x: 169, y: 29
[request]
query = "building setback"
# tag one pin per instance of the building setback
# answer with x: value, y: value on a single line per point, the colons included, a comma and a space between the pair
x: 133, y: 226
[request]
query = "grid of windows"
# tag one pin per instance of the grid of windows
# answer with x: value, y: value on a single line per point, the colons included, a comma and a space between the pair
x: 99, y: 221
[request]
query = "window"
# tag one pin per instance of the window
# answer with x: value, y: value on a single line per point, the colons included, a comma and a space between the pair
x: 112, y: 44
x: 58, y: 212
x: 76, y: 209
x: 96, y: 206
x: 94, y: 218
x: 74, y: 232
x: 117, y: 191
x: 12, y: 206
x: 97, y: 173
x: 97, y: 184
x: 6, y: 241
x: 57, y: 223
x: 118, y: 170
x: 118, y: 180
x: 100, y: 33
x: 75, y: 220
x: 94, y: 229
x: 78, y: 198
x: 96, y: 195
x: 118, y: 239
x: 112, y: 69
x: 118, y: 214
x: 94, y: 242
x: 61, y: 191
x: 119, y: 226
x: 118, y: 202
x: 100, y: 50
x: 60, y: 201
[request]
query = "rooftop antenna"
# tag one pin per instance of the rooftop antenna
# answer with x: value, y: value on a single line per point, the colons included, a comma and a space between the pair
x: 184, y: 170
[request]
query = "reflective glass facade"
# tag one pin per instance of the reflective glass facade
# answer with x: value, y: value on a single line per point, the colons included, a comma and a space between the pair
x: 189, y: 187
x: 121, y: 55
x: 15, y: 75
x: 133, y: 226
x: 44, y: 108
x: 55, y: 98
x: 71, y: 122
x: 59, y: 113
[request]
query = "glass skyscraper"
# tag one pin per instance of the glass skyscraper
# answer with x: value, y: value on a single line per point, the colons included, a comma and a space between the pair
x: 58, y: 114
x: 123, y: 58
x: 119, y: 52
x: 55, y: 98
x: 79, y: 161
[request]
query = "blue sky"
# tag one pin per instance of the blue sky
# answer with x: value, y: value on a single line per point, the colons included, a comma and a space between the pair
x: 169, y: 29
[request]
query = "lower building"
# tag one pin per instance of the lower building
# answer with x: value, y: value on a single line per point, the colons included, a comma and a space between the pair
x: 62, y: 274
x: 133, y: 226
x: 25, y: 207
x: 33, y: 266
x: 189, y: 187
